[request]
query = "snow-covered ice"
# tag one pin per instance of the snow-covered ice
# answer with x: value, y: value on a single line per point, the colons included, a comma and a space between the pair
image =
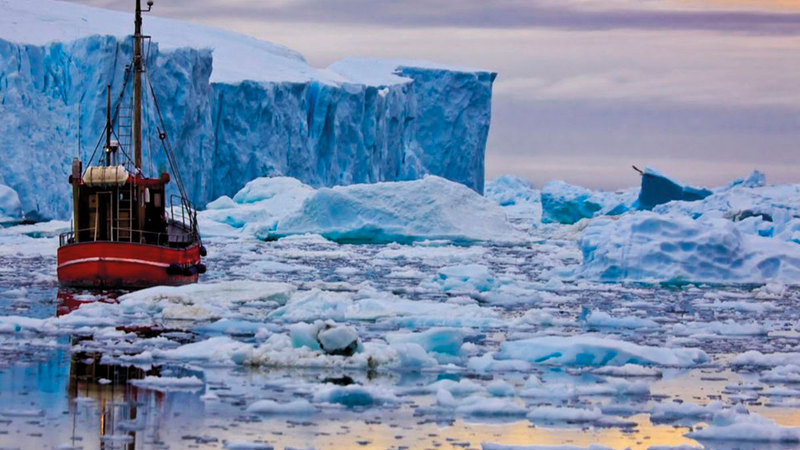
x: 596, y: 350
x: 651, y: 247
x: 428, y: 209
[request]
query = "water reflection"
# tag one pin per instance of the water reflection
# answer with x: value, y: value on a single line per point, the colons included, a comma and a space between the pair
x: 63, y: 396
x: 68, y: 300
x: 107, y: 390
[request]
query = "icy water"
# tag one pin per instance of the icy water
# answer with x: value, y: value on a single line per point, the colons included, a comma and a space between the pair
x: 86, y: 379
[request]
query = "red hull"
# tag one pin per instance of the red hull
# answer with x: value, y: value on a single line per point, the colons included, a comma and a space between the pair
x: 126, y: 265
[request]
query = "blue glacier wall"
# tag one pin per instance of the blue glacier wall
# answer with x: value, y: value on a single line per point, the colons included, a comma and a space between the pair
x: 227, y: 134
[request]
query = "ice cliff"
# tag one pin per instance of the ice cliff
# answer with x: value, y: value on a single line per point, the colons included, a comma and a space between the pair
x: 236, y: 108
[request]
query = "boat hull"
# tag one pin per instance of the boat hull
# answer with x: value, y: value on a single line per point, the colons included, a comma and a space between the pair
x: 126, y: 265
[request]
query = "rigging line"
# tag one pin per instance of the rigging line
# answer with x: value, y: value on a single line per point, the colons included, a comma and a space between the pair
x: 127, y: 156
x: 149, y: 132
x: 165, y: 143
x: 168, y: 152
x: 167, y: 147
x: 115, y: 117
x: 147, y: 123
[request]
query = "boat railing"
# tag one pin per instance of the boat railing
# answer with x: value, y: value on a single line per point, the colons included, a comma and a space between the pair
x: 179, y: 212
x: 120, y: 234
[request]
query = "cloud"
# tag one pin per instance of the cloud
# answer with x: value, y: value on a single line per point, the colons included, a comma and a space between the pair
x: 565, y: 14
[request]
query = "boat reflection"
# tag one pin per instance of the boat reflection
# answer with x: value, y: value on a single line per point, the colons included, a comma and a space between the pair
x: 68, y: 300
x: 105, y: 408
x: 101, y: 396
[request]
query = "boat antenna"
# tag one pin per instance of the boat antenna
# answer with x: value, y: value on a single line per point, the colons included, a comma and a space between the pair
x: 79, y: 130
x: 138, y: 68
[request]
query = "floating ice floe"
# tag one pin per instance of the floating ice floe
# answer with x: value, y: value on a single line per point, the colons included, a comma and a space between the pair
x: 600, y: 319
x: 566, y: 204
x: 555, y: 414
x: 649, y: 247
x: 789, y: 373
x: 205, y: 301
x: 355, y: 395
x: 479, y: 406
x: 169, y: 383
x: 592, y: 350
x: 744, y: 427
x: 432, y: 254
x: 293, y: 408
x: 674, y: 412
x: 537, y: 389
x: 726, y: 328
x: 468, y: 277
x: 437, y: 339
x: 428, y: 209
x: 460, y: 388
x: 500, y: 388
x: 370, y: 305
x: 756, y: 358
x: 216, y: 350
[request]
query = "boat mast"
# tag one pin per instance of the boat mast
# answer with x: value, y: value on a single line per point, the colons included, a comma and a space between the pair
x: 137, y: 88
x: 138, y: 68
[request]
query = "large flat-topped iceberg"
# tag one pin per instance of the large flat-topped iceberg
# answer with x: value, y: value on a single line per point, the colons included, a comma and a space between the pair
x: 236, y: 108
x: 236, y: 57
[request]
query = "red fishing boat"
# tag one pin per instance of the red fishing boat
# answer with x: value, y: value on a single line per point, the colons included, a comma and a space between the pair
x: 128, y: 231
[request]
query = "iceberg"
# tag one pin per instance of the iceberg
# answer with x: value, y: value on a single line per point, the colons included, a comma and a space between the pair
x: 237, y: 108
x: 518, y: 197
x: 768, y: 211
x: 566, y: 204
x: 261, y: 203
x: 10, y: 207
x: 593, y: 350
x: 657, y: 189
x: 649, y: 247
x: 431, y: 208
